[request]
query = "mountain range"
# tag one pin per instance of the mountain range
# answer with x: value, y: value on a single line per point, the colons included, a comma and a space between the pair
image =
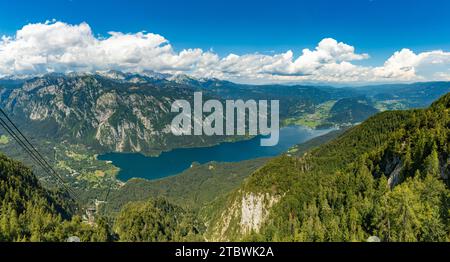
x: 124, y: 112
x: 383, y: 173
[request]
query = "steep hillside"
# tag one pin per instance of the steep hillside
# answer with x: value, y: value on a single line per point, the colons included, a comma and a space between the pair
x: 99, y: 112
x: 29, y: 212
x: 386, y: 177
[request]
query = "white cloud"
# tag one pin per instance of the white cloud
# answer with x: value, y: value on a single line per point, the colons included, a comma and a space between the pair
x: 48, y: 47
x: 406, y: 65
x: 60, y: 47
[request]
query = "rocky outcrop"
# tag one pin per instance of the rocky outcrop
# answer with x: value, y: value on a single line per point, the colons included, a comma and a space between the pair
x: 246, y: 214
x: 395, y: 175
x: 254, y: 211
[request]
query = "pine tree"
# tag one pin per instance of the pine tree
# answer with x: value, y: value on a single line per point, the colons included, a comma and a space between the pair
x: 432, y: 162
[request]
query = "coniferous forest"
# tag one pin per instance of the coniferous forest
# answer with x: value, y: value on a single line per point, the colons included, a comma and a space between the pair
x: 387, y: 177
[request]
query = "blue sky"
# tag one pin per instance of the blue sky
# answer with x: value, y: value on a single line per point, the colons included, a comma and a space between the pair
x: 376, y: 27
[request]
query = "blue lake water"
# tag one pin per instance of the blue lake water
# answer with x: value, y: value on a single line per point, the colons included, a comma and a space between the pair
x: 134, y: 165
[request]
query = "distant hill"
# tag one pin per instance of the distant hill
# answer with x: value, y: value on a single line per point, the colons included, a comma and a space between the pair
x: 352, y: 110
x: 299, y: 150
x: 415, y: 95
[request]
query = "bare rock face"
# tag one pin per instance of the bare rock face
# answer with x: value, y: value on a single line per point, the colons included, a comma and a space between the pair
x: 246, y: 214
x: 254, y: 211
x: 112, y: 115
x: 392, y: 169
x: 110, y: 111
x: 394, y: 176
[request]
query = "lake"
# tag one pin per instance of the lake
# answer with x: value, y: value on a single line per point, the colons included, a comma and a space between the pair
x: 134, y: 165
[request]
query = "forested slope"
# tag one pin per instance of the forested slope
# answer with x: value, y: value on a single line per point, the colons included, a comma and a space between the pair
x: 29, y: 212
x: 386, y: 177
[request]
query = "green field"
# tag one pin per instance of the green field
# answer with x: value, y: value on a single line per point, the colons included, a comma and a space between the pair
x: 318, y: 118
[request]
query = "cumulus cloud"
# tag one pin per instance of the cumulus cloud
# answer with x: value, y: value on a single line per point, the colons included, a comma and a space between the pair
x: 407, y: 65
x: 49, y: 47
x: 61, y: 47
